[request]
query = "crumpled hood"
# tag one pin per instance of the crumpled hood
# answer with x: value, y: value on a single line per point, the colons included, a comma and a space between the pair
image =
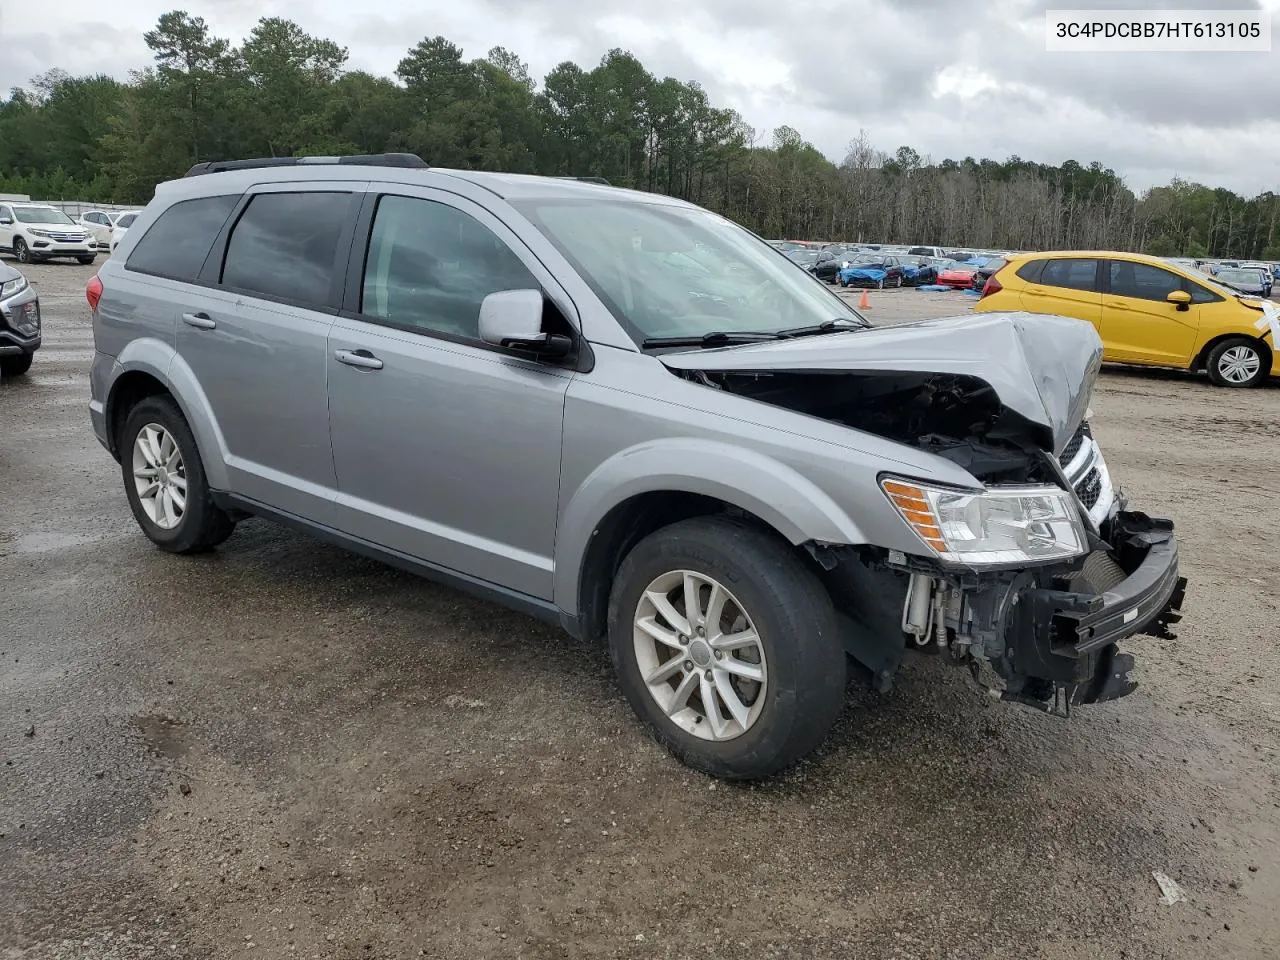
x: 1040, y: 366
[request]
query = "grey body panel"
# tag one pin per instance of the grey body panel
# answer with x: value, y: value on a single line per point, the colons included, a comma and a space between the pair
x: 263, y: 369
x: 633, y: 427
x: 449, y: 453
x: 1042, y: 366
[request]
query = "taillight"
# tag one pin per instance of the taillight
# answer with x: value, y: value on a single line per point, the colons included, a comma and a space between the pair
x: 93, y: 293
x: 991, y: 286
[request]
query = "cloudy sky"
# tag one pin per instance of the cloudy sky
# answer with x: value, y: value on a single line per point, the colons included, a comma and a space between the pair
x: 948, y: 77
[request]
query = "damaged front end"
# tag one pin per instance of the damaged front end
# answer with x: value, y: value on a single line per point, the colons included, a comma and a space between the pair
x: 1034, y: 602
x: 1046, y: 637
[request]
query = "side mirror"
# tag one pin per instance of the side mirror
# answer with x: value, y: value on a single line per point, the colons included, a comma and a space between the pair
x: 1181, y: 298
x: 513, y: 319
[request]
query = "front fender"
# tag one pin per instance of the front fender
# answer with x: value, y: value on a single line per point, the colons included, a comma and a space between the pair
x: 749, y: 480
x: 161, y: 361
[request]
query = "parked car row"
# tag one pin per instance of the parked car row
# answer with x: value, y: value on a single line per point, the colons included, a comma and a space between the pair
x: 32, y: 232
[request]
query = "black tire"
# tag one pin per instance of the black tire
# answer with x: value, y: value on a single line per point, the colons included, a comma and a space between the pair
x: 16, y: 365
x: 21, y: 251
x: 1217, y: 361
x: 202, y: 526
x: 86, y: 260
x: 899, y: 283
x: 793, y: 617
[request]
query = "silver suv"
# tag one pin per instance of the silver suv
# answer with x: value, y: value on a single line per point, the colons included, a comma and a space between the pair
x: 630, y: 416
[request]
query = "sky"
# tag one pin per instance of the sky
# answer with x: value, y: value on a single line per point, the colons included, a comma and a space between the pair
x: 950, y: 78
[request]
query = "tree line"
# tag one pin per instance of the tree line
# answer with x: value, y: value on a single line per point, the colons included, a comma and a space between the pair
x: 283, y: 92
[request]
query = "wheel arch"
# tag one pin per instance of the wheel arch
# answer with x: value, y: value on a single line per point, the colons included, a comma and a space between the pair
x: 1201, y: 360
x: 636, y: 492
x: 149, y: 368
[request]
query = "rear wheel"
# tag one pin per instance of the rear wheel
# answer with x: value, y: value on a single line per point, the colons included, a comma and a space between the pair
x: 165, y: 482
x: 1238, y: 362
x: 17, y: 365
x: 725, y: 645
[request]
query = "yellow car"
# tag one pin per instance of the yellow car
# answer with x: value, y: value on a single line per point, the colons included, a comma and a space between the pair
x: 1147, y: 311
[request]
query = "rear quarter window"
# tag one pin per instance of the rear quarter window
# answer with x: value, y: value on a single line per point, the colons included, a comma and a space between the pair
x: 176, y: 245
x: 1030, y: 271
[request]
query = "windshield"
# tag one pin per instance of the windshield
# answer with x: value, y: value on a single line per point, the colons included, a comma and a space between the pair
x: 1247, y: 277
x: 41, y: 215
x: 635, y: 257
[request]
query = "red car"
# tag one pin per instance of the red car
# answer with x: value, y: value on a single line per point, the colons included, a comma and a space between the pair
x: 957, y: 275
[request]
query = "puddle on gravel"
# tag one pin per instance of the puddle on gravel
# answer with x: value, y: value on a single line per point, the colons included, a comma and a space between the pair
x: 43, y: 542
x: 163, y: 734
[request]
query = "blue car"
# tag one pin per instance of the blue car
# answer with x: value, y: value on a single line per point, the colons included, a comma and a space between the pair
x: 872, y: 270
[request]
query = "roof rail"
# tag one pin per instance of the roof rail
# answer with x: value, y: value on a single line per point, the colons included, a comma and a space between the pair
x: 600, y: 180
x: 409, y: 160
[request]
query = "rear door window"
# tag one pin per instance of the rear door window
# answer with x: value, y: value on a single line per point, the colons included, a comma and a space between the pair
x: 1141, y: 280
x: 1071, y: 272
x: 178, y: 242
x: 284, y: 246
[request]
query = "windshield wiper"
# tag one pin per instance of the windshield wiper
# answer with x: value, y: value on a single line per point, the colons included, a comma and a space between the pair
x: 839, y: 325
x: 717, y: 338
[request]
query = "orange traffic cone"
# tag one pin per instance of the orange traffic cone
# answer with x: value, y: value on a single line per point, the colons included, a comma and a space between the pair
x: 865, y: 302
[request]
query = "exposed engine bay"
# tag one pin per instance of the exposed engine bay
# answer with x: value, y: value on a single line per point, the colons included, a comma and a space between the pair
x: 954, y: 416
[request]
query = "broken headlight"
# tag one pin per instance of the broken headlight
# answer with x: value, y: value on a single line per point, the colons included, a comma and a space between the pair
x: 997, y: 525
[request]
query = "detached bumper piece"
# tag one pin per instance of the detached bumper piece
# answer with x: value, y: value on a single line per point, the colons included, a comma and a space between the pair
x: 1064, y: 637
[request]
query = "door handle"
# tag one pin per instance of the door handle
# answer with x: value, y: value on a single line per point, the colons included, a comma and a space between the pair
x: 358, y: 358
x: 201, y: 321
x: 1117, y: 305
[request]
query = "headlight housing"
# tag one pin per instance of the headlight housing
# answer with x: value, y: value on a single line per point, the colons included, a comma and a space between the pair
x: 37, y: 232
x: 998, y: 525
x: 11, y: 287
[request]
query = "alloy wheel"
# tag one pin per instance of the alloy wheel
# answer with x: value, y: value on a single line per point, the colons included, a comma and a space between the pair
x: 699, y: 655
x: 159, y: 476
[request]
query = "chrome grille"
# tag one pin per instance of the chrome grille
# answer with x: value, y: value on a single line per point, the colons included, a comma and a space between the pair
x: 1090, y: 488
x: 62, y: 236
x: 1074, y: 444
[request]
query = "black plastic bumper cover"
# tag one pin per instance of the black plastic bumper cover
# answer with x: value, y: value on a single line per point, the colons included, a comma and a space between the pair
x: 1069, y: 638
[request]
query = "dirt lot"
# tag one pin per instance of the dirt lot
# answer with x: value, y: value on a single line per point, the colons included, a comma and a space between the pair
x: 284, y: 750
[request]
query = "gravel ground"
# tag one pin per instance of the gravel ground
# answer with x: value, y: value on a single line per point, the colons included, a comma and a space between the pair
x: 285, y: 750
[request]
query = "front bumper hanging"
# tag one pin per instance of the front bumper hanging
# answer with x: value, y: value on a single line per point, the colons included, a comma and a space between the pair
x: 1064, y: 639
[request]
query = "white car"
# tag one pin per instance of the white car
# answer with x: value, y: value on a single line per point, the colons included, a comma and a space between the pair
x: 123, y: 222
x: 98, y: 223
x: 34, y: 231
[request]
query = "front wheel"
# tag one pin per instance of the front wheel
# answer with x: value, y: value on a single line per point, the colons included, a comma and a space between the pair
x: 86, y: 260
x: 21, y: 250
x: 16, y: 365
x: 726, y: 646
x: 165, y: 482
x: 1238, y: 362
